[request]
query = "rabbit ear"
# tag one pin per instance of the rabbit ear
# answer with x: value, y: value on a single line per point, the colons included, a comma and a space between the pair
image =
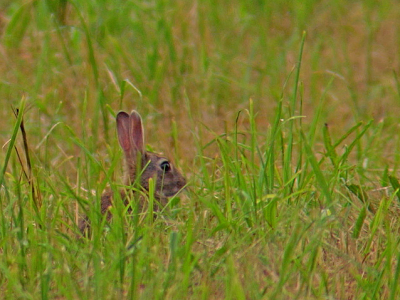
x: 136, y: 131
x: 124, y: 137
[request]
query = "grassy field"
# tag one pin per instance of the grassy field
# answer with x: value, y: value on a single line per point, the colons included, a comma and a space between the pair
x: 283, y: 116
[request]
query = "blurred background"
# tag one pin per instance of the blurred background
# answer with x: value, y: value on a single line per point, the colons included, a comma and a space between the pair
x: 78, y: 62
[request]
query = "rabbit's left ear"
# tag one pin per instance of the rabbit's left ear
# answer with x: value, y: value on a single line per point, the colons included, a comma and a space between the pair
x: 123, y: 131
x: 136, y: 131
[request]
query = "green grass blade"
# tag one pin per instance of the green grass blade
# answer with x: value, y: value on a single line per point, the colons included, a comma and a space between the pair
x: 359, y: 223
x: 396, y: 185
x: 323, y: 185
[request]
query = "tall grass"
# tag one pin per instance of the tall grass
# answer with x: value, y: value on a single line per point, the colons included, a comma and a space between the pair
x: 282, y: 116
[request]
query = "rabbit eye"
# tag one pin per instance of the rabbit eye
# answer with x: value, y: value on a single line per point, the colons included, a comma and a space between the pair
x: 165, y: 166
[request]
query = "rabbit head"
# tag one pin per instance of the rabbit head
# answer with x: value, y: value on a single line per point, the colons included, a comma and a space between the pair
x: 146, y: 164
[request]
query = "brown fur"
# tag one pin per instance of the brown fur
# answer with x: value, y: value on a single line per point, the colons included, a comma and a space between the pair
x: 131, y: 138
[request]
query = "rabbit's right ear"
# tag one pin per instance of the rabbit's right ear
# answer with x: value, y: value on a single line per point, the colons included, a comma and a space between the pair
x: 136, y: 131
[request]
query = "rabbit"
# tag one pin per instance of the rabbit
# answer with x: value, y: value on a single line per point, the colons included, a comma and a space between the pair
x: 168, y: 180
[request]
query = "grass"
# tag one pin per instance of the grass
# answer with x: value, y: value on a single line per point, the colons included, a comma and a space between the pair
x: 282, y: 116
